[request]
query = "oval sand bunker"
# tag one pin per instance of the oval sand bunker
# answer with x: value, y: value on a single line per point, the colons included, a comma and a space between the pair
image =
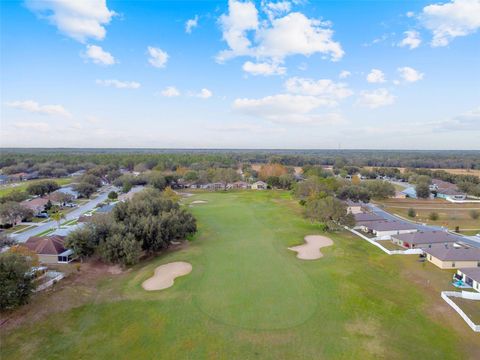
x: 311, y: 249
x: 165, y: 275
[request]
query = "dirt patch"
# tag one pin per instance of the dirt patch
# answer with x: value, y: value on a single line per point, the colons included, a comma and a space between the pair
x: 165, y: 275
x: 311, y: 249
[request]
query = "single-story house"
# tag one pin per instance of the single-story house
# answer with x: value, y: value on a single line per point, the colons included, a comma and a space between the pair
x: 452, y: 257
x: 470, y: 276
x: 69, y: 191
x: 423, y: 239
x: 354, y: 207
x: 446, y: 190
x: 3, y: 179
x: 215, y: 186
x: 259, y: 185
x: 37, y: 205
x: 409, y: 192
x: 50, y: 249
x: 364, y: 217
x: 385, y: 228
x: 239, y: 185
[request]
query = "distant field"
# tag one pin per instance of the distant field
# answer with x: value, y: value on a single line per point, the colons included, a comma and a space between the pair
x: 452, y: 171
x: 22, y: 186
x: 450, y: 214
x: 249, y: 297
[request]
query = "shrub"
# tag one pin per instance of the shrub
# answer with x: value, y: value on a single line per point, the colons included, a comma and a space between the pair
x: 411, y: 213
x: 474, y: 214
x: 433, y: 216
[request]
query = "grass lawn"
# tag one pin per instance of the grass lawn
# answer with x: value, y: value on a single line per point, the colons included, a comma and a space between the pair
x: 450, y: 214
x: 469, y: 307
x: 389, y: 245
x: 22, y: 186
x: 249, y: 297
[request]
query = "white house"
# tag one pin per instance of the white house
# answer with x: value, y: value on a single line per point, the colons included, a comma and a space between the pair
x: 259, y: 185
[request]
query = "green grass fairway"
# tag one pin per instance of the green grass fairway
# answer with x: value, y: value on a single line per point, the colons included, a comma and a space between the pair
x: 248, y: 297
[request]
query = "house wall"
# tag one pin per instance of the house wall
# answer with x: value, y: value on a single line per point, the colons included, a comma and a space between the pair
x: 354, y: 209
x: 48, y: 259
x: 393, y: 232
x: 451, y: 264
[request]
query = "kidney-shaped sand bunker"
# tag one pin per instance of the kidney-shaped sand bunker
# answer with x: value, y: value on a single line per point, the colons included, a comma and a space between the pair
x: 165, y: 275
x: 311, y: 249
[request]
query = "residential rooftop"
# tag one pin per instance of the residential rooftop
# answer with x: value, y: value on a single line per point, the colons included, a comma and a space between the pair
x: 387, y: 225
x: 451, y: 253
x: 368, y: 217
x: 472, y: 273
x: 46, y: 245
x: 427, y: 237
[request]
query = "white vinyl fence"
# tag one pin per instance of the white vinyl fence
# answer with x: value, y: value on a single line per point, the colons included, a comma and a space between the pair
x: 54, y: 277
x: 464, y: 295
x: 389, y: 252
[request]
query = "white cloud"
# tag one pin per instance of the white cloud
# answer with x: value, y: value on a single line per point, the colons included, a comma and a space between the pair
x: 263, y: 68
x: 204, y: 94
x: 409, y: 74
x: 158, y: 57
x: 376, y: 76
x: 34, y: 126
x: 376, y: 98
x: 79, y: 20
x: 275, y: 9
x: 299, y: 105
x: 170, y: 91
x: 468, y: 121
x: 99, y: 56
x: 323, y: 88
x: 286, y: 108
x: 412, y: 39
x: 410, y: 14
x: 344, y: 74
x: 119, y: 84
x: 241, y: 17
x: 450, y: 20
x: 35, y: 107
x: 275, y: 38
x: 191, y: 24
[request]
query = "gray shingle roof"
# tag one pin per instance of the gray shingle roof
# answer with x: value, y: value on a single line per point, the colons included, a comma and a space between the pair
x: 450, y: 253
x: 472, y: 273
x: 386, y: 225
x: 367, y: 217
x: 427, y: 237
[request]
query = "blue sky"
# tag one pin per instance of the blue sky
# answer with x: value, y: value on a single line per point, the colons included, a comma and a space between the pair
x: 263, y: 74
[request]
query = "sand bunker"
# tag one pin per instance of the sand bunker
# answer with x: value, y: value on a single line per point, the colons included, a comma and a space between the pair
x: 199, y: 202
x: 165, y: 275
x: 311, y: 250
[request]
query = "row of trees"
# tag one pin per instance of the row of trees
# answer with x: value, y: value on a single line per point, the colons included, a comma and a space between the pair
x: 147, y: 223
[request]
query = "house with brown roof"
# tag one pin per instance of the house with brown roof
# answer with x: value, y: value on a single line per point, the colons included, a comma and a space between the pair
x: 37, y: 205
x: 423, y: 239
x: 50, y: 249
x: 453, y: 257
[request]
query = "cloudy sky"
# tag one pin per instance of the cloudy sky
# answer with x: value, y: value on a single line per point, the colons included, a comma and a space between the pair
x: 240, y: 74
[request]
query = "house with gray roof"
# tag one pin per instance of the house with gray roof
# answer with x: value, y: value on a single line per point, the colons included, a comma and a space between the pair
x: 386, y: 228
x: 470, y: 276
x: 423, y: 239
x: 453, y: 257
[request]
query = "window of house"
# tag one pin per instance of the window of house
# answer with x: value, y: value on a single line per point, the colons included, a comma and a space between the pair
x: 453, y: 264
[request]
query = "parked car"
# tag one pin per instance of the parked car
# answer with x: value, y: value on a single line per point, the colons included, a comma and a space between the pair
x: 42, y: 216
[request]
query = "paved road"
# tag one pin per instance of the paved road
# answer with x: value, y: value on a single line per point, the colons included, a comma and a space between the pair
x: 471, y: 240
x: 22, y: 237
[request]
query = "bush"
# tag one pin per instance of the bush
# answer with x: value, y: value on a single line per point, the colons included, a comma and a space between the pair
x: 474, y: 214
x: 412, y: 213
x: 433, y: 216
x: 16, y: 284
x: 112, y: 195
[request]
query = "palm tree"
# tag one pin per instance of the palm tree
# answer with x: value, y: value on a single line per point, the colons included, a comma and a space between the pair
x: 58, y: 216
